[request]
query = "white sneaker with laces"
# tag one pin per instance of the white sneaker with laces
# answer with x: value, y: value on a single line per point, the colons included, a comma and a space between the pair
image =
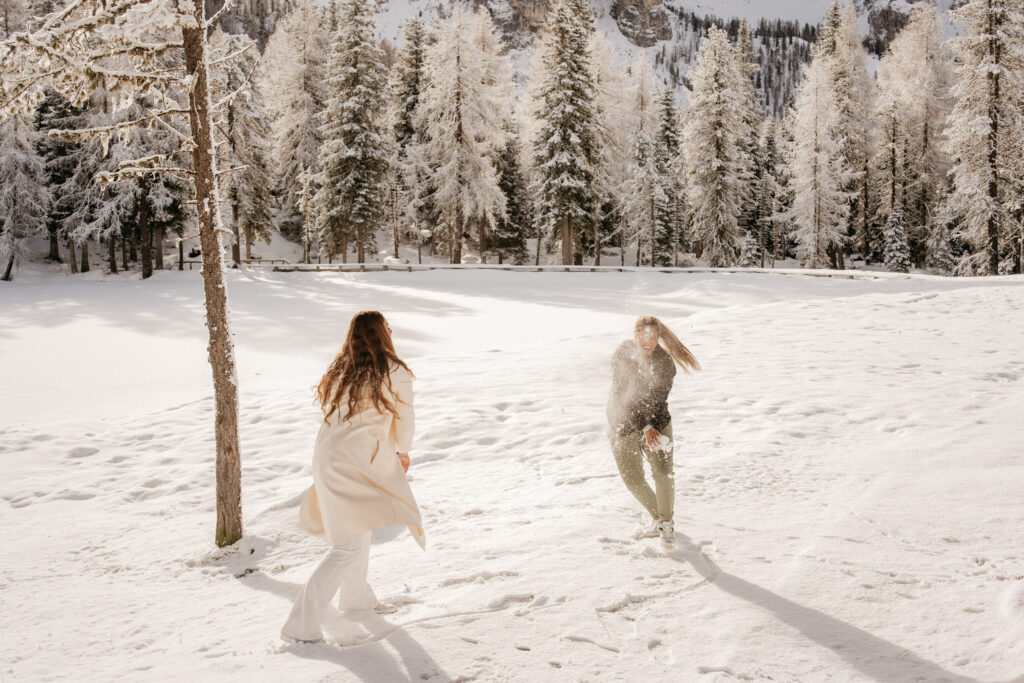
x: 667, y: 529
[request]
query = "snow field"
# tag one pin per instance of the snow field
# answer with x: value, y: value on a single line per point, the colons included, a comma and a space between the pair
x: 847, y: 467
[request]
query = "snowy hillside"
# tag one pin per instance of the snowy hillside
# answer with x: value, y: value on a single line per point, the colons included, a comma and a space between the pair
x: 848, y: 481
x: 673, y: 50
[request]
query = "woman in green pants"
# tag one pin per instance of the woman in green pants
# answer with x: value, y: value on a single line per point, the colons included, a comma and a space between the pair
x: 640, y: 426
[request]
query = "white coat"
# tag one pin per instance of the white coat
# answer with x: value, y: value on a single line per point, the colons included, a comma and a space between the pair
x: 358, y: 481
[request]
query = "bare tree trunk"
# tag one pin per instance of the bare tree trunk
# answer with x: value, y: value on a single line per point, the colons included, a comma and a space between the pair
x: 567, y: 241
x: 993, y: 165
x: 54, y: 247
x: 144, y: 237
x: 654, y: 232
x: 394, y: 217
x: 344, y: 240
x: 222, y: 356
x: 9, y: 268
x: 248, y: 243
x: 132, y: 251
x: 124, y: 252
x: 160, y: 237
x: 85, y: 256
x: 181, y: 254
x: 460, y: 227
x: 361, y: 246
x: 540, y: 238
x: 72, y: 262
x: 483, y: 241
x: 112, y: 254
x: 236, y: 248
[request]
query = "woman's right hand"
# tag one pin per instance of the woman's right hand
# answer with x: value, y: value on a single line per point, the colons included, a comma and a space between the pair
x: 652, y: 436
x: 404, y: 459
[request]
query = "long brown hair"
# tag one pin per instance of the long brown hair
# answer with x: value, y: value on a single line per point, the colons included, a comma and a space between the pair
x: 669, y: 341
x: 361, y: 368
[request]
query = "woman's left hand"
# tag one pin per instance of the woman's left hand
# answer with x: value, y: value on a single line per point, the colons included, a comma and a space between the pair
x: 404, y: 459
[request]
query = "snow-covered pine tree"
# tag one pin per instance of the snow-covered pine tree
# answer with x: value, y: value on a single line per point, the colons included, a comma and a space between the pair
x: 408, y: 179
x: 768, y: 192
x: 354, y: 155
x: 55, y: 111
x: 671, y: 212
x: 138, y: 48
x: 897, y: 251
x: 916, y: 116
x: 24, y: 196
x: 984, y: 130
x: 511, y: 230
x: 242, y: 134
x: 839, y: 50
x: 294, y: 91
x: 940, y: 258
x: 748, y: 68
x: 306, y: 204
x: 497, y: 73
x: 712, y: 146
x: 818, y: 169
x: 461, y: 112
x: 612, y: 149
x: 565, y: 145
x: 782, y: 235
x: 80, y: 199
x: 645, y: 178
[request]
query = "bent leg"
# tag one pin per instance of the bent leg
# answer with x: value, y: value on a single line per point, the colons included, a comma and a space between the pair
x: 311, y: 605
x: 629, y: 459
x: 355, y: 591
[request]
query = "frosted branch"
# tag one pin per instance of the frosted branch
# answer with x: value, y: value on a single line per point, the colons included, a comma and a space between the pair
x: 228, y: 4
x: 231, y: 170
x: 75, y: 134
x: 230, y: 96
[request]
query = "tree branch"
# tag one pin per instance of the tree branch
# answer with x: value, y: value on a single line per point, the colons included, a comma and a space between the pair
x: 75, y: 134
x: 231, y: 170
x: 226, y: 7
x: 227, y: 98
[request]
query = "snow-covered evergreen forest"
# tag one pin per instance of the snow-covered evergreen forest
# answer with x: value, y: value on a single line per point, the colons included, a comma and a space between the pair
x: 804, y: 201
x: 452, y: 144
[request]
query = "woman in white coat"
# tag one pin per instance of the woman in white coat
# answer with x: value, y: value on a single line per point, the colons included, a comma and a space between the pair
x: 359, y: 465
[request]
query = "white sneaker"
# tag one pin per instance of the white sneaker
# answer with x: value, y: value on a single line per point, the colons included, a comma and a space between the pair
x: 652, y: 531
x: 668, y: 531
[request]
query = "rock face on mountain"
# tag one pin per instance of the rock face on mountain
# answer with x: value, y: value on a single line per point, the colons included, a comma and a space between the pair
x: 644, y: 22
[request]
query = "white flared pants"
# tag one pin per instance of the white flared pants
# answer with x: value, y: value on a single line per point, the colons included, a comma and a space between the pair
x: 344, y: 567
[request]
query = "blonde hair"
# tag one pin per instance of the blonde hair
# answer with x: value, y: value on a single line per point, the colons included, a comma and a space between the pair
x: 669, y: 341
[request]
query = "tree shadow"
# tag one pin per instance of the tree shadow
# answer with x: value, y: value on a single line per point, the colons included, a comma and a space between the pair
x: 874, y: 657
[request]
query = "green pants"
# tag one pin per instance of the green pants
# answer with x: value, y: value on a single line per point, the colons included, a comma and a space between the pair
x: 630, y: 451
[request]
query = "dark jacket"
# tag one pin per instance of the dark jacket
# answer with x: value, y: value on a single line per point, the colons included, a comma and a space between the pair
x: 640, y: 386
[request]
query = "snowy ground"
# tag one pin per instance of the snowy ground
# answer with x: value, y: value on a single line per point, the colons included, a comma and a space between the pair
x: 849, y: 481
